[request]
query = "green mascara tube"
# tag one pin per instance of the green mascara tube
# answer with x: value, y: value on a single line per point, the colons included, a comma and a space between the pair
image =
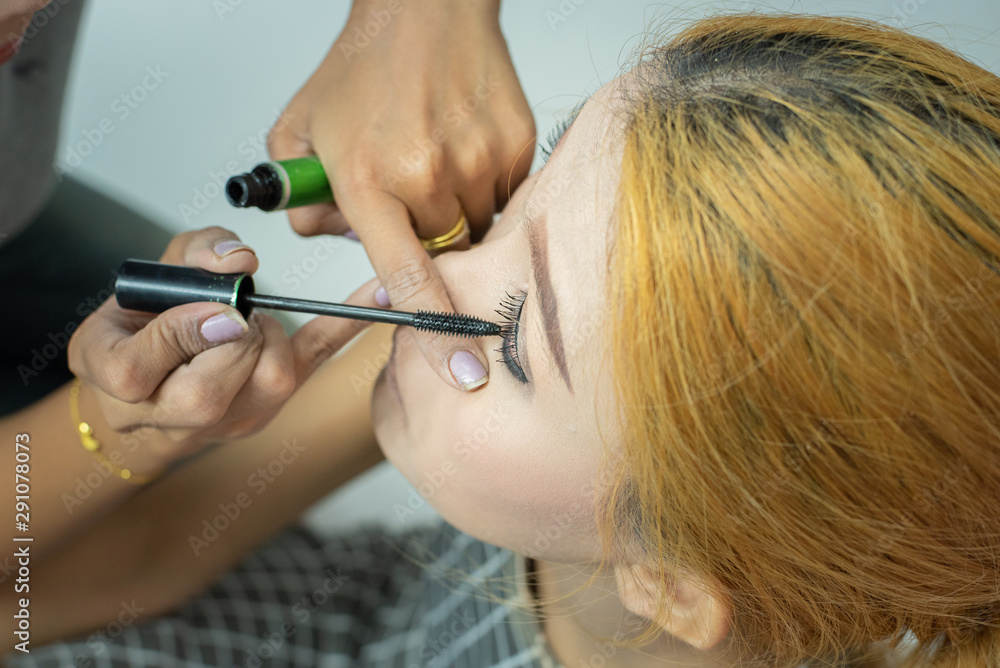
x: 280, y: 184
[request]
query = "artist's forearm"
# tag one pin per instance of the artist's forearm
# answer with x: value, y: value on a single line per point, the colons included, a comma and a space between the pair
x: 489, y: 7
x: 65, y: 488
x: 182, y: 533
x: 422, y: 23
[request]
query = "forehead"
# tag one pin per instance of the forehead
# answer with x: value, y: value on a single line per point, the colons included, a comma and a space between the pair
x: 588, y: 155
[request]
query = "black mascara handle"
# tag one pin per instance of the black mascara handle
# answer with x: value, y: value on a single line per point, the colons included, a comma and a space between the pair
x: 155, y: 287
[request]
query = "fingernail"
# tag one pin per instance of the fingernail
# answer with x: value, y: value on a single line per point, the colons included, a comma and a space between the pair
x: 224, y: 248
x: 382, y: 297
x: 222, y: 327
x: 351, y: 234
x: 467, y: 370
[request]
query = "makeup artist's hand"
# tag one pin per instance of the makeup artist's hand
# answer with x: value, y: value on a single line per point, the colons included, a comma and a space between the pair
x: 417, y: 115
x: 194, y: 373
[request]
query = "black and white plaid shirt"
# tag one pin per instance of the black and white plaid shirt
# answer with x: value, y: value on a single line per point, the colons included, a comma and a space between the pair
x: 432, y: 596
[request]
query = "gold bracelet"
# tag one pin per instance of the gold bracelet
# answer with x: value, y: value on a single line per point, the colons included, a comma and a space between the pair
x: 93, y: 446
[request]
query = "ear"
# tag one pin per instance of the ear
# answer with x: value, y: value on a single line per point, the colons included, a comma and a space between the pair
x: 698, y: 617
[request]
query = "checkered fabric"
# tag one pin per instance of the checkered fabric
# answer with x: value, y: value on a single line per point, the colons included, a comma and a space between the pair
x: 432, y: 596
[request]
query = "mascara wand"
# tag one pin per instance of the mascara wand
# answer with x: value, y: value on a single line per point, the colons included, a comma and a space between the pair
x: 155, y: 287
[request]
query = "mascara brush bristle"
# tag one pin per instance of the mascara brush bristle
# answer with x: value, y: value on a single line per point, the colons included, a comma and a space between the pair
x: 454, y: 323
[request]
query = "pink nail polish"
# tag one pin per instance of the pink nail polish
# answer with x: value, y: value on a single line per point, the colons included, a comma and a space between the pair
x: 467, y: 370
x: 221, y: 328
x: 224, y: 248
x: 382, y: 297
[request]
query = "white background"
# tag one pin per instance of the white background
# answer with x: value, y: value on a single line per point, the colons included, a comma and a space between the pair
x: 231, y: 65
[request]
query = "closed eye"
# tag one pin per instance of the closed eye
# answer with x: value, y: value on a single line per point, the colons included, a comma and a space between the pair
x: 510, y: 310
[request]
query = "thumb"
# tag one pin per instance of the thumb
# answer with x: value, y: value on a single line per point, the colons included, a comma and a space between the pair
x: 131, y: 365
x: 323, y: 336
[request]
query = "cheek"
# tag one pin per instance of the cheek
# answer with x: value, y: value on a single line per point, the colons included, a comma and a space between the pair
x: 512, y: 478
x: 540, y: 474
x: 455, y: 443
x: 493, y: 466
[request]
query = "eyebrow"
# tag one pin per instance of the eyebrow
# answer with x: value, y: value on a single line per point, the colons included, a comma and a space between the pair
x: 538, y: 241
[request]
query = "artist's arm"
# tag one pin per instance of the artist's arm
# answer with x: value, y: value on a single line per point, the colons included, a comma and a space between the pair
x: 155, y: 552
x: 156, y: 388
x: 417, y: 115
x: 198, y: 372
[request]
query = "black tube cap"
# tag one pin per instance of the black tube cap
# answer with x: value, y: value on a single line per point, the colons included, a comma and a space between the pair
x: 260, y: 187
x: 155, y: 287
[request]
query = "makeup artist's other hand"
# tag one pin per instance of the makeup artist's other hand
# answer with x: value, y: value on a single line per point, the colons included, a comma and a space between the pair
x: 417, y: 115
x: 195, y: 372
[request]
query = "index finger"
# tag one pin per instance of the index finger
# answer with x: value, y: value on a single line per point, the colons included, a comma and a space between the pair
x: 409, y: 276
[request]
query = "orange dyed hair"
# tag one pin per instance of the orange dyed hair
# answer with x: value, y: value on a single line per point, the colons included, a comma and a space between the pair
x: 807, y: 342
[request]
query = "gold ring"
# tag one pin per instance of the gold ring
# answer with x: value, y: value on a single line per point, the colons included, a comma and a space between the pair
x: 449, y: 237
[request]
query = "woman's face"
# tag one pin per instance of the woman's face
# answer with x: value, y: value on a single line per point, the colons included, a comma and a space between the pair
x: 517, y: 463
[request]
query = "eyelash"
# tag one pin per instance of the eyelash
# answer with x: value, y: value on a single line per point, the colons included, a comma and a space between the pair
x: 510, y: 311
x: 555, y: 134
